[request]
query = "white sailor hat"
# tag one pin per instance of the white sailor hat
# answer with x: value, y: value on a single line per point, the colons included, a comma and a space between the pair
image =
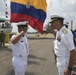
x: 56, y: 17
x: 25, y: 23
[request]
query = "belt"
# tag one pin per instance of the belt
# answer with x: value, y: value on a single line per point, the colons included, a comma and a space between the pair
x: 20, y: 56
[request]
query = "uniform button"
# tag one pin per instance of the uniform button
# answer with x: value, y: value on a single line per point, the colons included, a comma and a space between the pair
x: 20, y: 56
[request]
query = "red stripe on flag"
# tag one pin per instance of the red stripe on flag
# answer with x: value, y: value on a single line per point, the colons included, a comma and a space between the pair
x: 36, y: 24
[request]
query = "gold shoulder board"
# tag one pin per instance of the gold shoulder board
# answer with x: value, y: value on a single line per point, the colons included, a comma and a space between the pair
x: 64, y: 31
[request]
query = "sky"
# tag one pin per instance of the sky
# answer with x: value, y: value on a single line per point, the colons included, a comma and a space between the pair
x: 64, y: 8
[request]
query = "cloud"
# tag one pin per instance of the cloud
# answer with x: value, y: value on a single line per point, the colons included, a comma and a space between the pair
x: 64, y: 8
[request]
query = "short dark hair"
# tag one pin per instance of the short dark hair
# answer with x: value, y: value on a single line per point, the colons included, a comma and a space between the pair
x: 61, y: 20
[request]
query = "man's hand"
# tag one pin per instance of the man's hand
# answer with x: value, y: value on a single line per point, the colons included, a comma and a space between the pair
x: 71, y: 62
x: 67, y: 72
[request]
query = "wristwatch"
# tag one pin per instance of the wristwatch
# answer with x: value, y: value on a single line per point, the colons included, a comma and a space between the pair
x: 70, y: 68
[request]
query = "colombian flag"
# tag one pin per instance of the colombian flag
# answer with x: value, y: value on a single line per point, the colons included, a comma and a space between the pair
x: 33, y: 11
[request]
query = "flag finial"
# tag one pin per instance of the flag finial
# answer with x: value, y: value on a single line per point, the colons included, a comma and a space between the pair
x: 28, y: 5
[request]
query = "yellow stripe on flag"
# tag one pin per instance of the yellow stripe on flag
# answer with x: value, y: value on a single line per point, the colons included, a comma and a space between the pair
x: 38, y: 4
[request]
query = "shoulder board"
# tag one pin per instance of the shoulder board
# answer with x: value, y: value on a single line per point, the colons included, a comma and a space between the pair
x: 64, y: 31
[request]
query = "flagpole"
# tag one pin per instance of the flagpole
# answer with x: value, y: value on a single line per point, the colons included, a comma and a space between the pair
x: 71, y: 24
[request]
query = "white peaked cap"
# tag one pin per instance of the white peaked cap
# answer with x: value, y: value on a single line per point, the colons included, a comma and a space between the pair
x: 56, y: 16
x: 22, y: 23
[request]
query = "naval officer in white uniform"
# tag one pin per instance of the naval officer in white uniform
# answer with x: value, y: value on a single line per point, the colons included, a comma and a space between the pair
x: 20, y: 49
x: 64, y: 46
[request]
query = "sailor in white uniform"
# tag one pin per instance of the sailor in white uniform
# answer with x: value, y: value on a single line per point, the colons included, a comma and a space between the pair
x: 20, y: 49
x: 64, y: 46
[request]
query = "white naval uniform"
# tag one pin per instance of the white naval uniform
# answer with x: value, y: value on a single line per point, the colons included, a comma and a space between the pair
x: 62, y: 47
x: 20, y: 53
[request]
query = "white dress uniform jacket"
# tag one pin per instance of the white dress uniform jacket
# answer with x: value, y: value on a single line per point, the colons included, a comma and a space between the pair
x: 21, y: 47
x: 62, y: 47
x: 20, y: 52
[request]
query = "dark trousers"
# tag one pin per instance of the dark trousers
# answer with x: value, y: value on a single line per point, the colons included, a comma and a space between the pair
x: 74, y: 67
x: 2, y: 43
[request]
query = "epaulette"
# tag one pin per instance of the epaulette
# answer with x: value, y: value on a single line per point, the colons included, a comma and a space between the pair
x: 64, y: 31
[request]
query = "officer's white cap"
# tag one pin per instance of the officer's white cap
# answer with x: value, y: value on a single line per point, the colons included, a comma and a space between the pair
x: 56, y: 17
x: 22, y: 23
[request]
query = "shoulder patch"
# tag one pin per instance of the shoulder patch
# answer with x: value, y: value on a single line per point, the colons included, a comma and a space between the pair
x: 64, y: 31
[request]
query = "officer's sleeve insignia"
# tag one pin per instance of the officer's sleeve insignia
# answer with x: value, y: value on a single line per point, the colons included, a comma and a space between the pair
x: 64, y: 31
